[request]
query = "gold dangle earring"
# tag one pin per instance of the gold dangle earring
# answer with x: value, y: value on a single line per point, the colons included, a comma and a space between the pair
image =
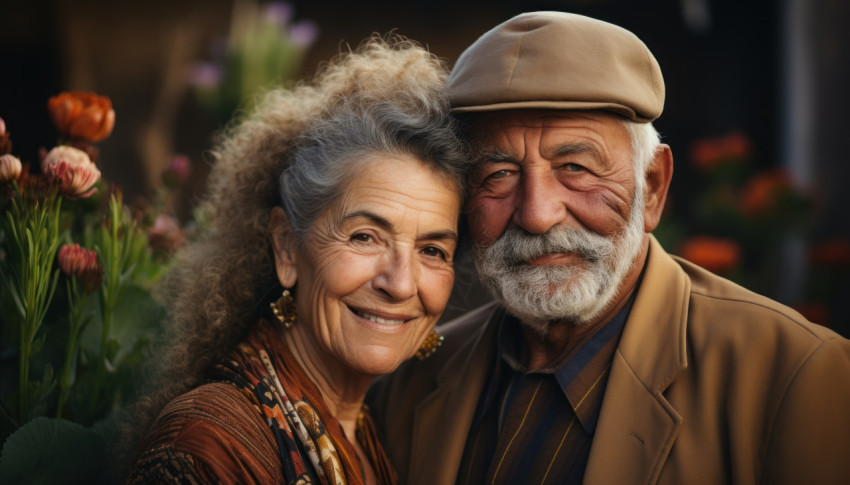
x: 432, y: 342
x: 284, y: 309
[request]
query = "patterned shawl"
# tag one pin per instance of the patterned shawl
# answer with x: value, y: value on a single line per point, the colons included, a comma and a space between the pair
x: 312, y: 444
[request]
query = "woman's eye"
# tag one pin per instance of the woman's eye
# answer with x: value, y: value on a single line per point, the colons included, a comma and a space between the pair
x: 361, y: 237
x: 434, y: 252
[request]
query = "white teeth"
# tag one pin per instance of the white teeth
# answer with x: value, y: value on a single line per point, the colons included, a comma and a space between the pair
x: 378, y: 319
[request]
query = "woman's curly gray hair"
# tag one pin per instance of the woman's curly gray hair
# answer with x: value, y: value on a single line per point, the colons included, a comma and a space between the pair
x: 297, y: 148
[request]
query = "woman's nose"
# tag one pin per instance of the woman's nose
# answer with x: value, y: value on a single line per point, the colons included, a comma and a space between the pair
x: 397, y: 276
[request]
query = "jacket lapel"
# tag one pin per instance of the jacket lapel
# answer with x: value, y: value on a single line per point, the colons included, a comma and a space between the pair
x: 442, y: 420
x: 637, y: 426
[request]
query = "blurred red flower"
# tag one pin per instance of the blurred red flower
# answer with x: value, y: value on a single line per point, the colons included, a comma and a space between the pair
x: 714, y: 254
x: 81, y: 263
x: 708, y: 153
x: 831, y: 253
x: 764, y: 192
x: 80, y: 115
x: 5, y: 141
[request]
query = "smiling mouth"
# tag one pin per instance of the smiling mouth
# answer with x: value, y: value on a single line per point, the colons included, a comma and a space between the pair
x: 377, y: 319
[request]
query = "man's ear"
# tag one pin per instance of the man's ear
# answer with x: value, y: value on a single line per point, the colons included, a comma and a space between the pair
x: 657, y: 183
x: 284, y: 248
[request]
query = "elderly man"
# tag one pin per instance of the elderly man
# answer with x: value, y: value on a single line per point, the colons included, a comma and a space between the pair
x: 604, y: 359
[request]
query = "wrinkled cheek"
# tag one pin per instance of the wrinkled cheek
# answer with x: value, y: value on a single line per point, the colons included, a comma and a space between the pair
x: 488, y: 220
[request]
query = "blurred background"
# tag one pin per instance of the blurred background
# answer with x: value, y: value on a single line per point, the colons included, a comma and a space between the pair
x: 755, y: 110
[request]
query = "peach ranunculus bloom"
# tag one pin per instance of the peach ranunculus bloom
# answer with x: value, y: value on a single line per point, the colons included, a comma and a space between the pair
x: 72, y: 171
x: 80, y: 115
x: 10, y: 168
x: 717, y: 255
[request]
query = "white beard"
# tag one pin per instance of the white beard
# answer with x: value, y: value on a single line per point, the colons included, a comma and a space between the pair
x: 573, y: 294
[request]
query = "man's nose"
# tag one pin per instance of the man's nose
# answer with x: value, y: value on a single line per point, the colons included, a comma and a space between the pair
x: 397, y: 275
x: 541, y: 204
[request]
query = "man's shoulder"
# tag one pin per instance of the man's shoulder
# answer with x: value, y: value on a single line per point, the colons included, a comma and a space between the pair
x: 721, y: 303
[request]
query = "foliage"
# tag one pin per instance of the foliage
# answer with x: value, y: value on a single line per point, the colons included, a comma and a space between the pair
x: 742, y: 220
x: 77, y: 268
x: 263, y: 47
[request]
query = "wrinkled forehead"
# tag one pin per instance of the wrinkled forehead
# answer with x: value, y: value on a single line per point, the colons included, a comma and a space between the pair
x: 486, y: 125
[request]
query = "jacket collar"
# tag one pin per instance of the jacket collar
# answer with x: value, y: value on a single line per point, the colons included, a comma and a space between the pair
x: 637, y: 425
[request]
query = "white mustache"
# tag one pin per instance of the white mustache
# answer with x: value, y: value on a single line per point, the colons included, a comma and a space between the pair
x: 517, y: 247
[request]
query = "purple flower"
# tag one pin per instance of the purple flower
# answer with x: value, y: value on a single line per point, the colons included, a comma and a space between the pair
x: 205, y: 74
x: 278, y: 13
x: 303, y: 33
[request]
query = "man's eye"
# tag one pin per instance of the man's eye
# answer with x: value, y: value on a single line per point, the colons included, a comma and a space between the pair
x: 572, y: 167
x: 499, y: 174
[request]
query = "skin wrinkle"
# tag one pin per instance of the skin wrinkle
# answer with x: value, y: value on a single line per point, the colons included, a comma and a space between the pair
x: 542, y: 188
x: 376, y: 250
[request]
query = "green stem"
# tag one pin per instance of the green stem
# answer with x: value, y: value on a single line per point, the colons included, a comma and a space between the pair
x: 78, y: 304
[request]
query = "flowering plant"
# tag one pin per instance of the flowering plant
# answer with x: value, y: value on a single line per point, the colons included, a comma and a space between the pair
x: 743, y: 222
x: 77, y: 352
x: 262, y: 47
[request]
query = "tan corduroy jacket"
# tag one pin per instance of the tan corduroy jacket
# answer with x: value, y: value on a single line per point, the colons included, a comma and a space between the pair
x: 710, y: 384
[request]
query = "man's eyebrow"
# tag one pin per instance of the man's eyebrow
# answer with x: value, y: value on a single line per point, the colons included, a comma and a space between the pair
x: 494, y: 156
x: 574, y: 148
x: 580, y: 147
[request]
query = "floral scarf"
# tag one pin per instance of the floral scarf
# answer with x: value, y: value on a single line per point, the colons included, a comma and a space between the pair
x: 313, y: 447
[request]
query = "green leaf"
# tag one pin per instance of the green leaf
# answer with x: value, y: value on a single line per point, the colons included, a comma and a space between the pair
x: 51, y: 451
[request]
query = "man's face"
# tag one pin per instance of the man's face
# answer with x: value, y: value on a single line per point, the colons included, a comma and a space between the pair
x: 553, y: 212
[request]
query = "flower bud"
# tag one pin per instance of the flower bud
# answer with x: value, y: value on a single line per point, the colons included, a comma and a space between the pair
x: 85, y: 116
x: 71, y: 170
x: 10, y: 168
x: 166, y: 235
x: 5, y: 141
x: 82, y: 264
x: 177, y: 171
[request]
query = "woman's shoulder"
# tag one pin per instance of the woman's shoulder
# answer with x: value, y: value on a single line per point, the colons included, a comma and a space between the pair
x: 214, y: 432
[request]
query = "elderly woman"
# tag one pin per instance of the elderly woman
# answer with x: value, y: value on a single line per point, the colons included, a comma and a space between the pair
x: 327, y: 263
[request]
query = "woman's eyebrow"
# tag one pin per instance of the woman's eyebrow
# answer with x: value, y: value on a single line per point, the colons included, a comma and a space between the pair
x: 380, y: 221
x: 389, y: 227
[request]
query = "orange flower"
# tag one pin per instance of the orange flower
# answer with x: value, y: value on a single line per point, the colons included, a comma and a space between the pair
x: 708, y: 153
x: 763, y: 192
x: 81, y: 115
x: 10, y: 168
x: 81, y: 263
x: 72, y: 170
x: 714, y: 254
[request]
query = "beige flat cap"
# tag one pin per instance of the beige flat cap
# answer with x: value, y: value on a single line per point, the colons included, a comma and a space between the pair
x: 562, y: 61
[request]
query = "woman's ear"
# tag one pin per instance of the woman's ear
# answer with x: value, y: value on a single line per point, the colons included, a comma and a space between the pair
x: 657, y: 183
x: 284, y: 248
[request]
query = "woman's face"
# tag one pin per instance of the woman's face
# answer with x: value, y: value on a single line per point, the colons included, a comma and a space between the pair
x: 376, y: 270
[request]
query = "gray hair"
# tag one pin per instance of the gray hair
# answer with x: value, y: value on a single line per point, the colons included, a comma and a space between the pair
x: 330, y: 152
x: 645, y: 141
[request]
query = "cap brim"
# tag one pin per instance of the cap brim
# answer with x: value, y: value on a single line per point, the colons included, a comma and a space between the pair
x: 619, y: 109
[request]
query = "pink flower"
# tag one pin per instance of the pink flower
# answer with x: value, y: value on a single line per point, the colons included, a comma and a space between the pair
x: 166, y: 234
x: 10, y: 168
x: 177, y: 171
x: 81, y: 263
x: 72, y: 170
